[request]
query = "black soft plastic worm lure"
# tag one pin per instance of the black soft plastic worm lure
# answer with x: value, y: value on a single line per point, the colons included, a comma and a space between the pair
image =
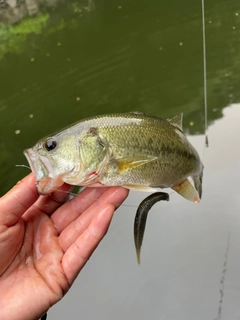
x: 141, y: 218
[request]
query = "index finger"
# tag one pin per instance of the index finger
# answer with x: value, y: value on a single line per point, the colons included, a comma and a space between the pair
x: 16, y: 201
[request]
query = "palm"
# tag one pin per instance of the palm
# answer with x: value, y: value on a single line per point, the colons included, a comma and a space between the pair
x: 43, y: 249
x: 35, y: 274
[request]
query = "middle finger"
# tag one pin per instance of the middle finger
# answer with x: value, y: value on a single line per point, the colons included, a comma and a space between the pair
x: 74, y: 208
x: 48, y: 204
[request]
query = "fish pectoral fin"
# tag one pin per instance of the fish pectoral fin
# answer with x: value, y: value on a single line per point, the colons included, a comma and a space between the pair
x: 187, y: 190
x: 124, y: 164
x: 137, y: 187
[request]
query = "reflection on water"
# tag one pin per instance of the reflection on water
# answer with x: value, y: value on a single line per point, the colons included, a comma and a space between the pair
x: 222, y: 281
x: 64, y: 60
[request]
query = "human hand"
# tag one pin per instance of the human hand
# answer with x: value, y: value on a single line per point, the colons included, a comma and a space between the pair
x: 45, y: 242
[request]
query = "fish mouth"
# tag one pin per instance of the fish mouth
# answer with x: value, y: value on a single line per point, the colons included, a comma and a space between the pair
x: 32, y: 160
x: 40, y: 165
x: 42, y: 169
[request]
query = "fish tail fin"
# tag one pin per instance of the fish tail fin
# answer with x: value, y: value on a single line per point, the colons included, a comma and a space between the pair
x: 198, y: 182
x: 188, y: 191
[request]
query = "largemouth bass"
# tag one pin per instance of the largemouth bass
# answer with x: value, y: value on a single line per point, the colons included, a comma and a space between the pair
x: 133, y: 150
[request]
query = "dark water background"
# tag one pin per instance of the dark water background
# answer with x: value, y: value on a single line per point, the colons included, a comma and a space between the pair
x: 61, y: 61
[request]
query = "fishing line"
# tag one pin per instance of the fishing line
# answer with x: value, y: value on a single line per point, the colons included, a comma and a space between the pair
x: 68, y: 193
x: 205, y: 75
x: 22, y: 165
x: 73, y: 195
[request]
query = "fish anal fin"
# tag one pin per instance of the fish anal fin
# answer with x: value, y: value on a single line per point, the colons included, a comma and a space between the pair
x: 187, y: 190
x: 128, y: 163
x: 177, y: 121
x: 137, y: 187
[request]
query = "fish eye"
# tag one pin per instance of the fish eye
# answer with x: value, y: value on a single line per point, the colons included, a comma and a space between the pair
x: 50, y: 144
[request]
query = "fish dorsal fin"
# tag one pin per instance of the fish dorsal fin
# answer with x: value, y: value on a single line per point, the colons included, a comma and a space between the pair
x: 137, y: 112
x: 177, y: 121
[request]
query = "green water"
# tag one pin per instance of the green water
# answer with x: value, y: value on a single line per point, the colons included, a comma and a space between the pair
x: 76, y: 59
